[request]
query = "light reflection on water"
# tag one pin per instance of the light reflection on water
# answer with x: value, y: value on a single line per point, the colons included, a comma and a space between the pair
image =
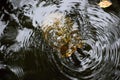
x: 25, y: 55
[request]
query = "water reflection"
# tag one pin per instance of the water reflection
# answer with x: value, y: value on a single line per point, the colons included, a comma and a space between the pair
x: 25, y: 54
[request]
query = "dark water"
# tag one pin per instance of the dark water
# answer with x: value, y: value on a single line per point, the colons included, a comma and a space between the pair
x: 25, y: 55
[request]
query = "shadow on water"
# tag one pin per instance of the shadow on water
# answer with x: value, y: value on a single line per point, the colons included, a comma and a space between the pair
x: 25, y: 55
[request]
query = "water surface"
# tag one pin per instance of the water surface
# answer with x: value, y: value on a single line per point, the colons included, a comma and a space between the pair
x: 25, y: 55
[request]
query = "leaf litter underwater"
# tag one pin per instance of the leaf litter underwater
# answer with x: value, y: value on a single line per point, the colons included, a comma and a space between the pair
x: 59, y: 40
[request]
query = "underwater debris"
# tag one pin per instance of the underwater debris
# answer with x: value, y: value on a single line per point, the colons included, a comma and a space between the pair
x: 59, y: 32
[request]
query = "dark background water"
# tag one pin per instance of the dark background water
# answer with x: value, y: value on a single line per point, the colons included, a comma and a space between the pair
x: 24, y: 54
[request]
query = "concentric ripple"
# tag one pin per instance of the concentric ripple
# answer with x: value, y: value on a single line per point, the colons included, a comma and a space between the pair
x: 28, y: 55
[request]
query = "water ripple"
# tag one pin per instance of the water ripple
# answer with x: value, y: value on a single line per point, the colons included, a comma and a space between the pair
x: 28, y: 56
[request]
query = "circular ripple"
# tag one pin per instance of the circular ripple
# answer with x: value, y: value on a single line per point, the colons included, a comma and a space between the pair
x: 32, y: 57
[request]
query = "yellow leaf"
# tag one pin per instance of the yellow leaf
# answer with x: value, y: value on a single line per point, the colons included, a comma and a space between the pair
x: 105, y: 4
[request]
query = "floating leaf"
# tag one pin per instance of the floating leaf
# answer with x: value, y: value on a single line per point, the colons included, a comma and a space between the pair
x: 105, y: 3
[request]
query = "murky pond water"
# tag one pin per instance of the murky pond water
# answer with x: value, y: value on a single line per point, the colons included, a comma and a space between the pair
x: 26, y: 55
